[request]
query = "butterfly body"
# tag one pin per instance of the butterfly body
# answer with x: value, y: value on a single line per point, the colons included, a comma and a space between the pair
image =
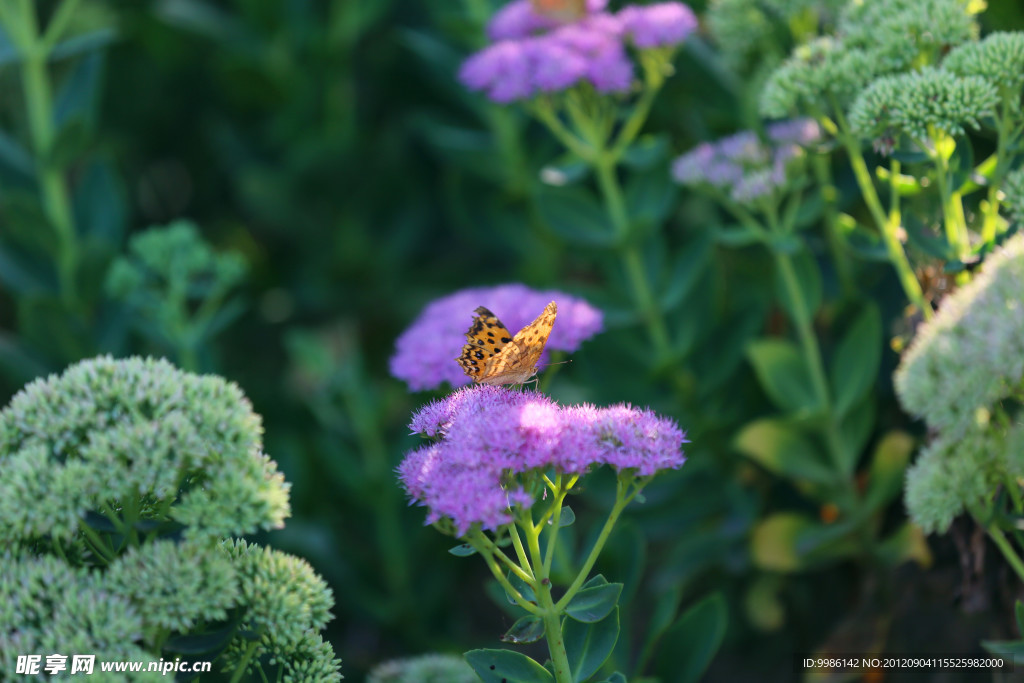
x: 493, y: 356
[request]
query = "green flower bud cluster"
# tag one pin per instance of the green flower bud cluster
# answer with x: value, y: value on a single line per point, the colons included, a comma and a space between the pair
x: 173, y: 283
x: 424, y: 669
x: 134, y: 440
x: 999, y: 59
x: 961, y: 366
x: 921, y: 103
x: 873, y: 38
x: 122, y: 480
x: 287, y: 604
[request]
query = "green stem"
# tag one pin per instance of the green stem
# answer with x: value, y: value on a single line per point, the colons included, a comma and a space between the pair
x: 622, y: 499
x: 478, y: 541
x: 517, y: 543
x: 553, y: 634
x: 952, y: 215
x: 556, y: 517
x: 804, y: 326
x: 630, y: 254
x: 830, y: 201
x: 243, y: 663
x: 39, y: 105
x: 889, y: 231
x: 1008, y: 552
x: 991, y: 209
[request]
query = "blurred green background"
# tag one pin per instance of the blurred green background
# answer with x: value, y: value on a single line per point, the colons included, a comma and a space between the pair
x: 329, y: 145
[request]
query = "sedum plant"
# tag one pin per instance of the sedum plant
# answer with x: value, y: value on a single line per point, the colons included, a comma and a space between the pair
x: 964, y: 375
x: 176, y: 288
x: 126, y: 486
x: 914, y: 80
x: 496, y: 474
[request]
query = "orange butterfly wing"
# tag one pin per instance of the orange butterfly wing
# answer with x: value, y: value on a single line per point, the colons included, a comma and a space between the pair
x: 491, y: 356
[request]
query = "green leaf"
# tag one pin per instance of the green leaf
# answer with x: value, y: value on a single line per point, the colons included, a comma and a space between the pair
x: 15, y: 156
x: 784, y: 376
x: 566, y: 518
x: 691, y: 644
x: 19, y: 273
x: 589, y: 645
x: 691, y: 262
x: 887, y: 469
x: 79, y: 94
x: 783, y: 451
x: 522, y: 587
x: 529, y: 629
x: 855, y: 365
x: 645, y: 152
x: 69, y: 145
x: 615, y: 678
x: 8, y: 51
x: 1018, y: 612
x: 790, y: 541
x: 1014, y: 649
x: 649, y: 197
x: 84, y: 42
x: 906, y: 543
x: 855, y: 429
x: 464, y: 550
x: 100, y: 200
x: 862, y: 241
x: 574, y: 215
x: 736, y: 235
x: 590, y: 605
x: 26, y: 223
x: 808, y: 283
x: 505, y: 666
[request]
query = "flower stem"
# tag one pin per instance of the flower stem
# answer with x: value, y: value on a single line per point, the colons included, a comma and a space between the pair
x: 622, y: 499
x: 889, y: 231
x: 830, y: 196
x: 1007, y: 549
x: 24, y: 29
x: 243, y: 663
x: 553, y: 634
x: 632, y: 262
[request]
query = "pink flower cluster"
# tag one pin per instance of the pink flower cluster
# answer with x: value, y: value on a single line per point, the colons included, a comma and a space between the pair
x: 487, y: 435
x: 533, y: 53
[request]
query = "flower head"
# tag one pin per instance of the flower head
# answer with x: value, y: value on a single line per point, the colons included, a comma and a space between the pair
x: 109, y: 432
x: 425, y: 352
x: 663, y: 24
x: 743, y: 166
x: 286, y: 604
x: 920, y: 101
x: 489, y: 436
x: 971, y: 354
x: 535, y: 53
x: 961, y: 367
x: 999, y: 59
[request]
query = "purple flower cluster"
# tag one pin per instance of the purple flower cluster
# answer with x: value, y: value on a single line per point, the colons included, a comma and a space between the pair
x: 425, y: 353
x: 534, y: 53
x: 488, y: 435
x: 743, y: 165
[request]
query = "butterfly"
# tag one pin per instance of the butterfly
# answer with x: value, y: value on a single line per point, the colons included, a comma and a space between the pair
x: 560, y: 10
x: 493, y: 356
